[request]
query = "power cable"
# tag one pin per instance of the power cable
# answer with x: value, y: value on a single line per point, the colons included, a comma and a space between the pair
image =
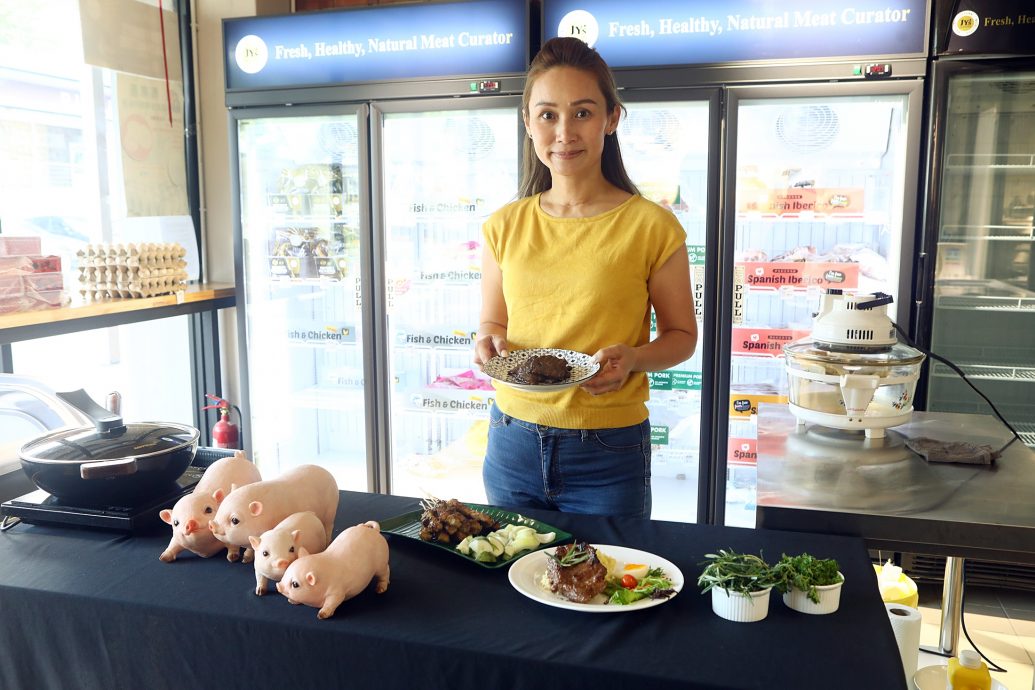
x: 959, y: 372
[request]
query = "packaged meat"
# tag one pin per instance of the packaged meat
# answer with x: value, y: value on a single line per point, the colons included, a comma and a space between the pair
x: 19, y: 245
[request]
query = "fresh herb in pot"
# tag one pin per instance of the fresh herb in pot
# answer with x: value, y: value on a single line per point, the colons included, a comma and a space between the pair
x: 735, y: 572
x: 805, y: 572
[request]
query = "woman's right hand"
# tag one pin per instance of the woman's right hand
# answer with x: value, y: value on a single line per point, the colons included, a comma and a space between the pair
x: 488, y: 346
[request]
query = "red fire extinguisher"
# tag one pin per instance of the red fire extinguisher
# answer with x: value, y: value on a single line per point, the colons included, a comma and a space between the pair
x: 224, y: 432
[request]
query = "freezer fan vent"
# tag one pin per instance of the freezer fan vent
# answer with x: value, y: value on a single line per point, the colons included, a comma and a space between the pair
x: 472, y: 135
x: 339, y: 138
x: 657, y: 127
x: 807, y: 129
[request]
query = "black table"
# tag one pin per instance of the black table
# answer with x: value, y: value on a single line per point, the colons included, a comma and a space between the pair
x: 90, y: 609
x: 816, y: 479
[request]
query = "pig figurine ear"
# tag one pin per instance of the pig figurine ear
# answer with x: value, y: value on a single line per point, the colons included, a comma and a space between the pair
x: 302, y: 551
x: 310, y: 578
x: 167, y: 516
x: 255, y: 508
x: 254, y: 541
x: 296, y: 535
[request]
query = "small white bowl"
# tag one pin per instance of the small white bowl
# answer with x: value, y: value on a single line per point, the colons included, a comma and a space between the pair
x: 741, y: 608
x: 829, y: 598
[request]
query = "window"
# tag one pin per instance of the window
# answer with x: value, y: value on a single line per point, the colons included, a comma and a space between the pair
x: 91, y: 144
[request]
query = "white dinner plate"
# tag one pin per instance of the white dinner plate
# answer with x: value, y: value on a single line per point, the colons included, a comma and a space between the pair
x: 527, y: 571
x: 934, y: 678
x: 582, y: 369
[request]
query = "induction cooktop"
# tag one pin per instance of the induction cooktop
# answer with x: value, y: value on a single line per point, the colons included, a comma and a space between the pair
x: 40, y: 507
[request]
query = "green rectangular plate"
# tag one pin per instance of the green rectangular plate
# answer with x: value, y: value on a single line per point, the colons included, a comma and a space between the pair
x: 408, y: 525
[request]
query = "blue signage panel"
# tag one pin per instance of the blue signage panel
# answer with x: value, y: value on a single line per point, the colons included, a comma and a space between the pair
x: 696, y: 32
x: 386, y: 43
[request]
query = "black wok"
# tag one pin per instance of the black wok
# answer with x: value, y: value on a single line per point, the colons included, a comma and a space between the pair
x: 111, y: 462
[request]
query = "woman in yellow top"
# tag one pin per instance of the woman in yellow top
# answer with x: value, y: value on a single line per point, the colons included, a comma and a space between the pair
x: 577, y: 263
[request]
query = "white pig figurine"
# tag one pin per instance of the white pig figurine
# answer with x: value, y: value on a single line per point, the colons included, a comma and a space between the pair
x: 343, y: 570
x: 250, y: 510
x: 191, y: 514
x: 277, y: 548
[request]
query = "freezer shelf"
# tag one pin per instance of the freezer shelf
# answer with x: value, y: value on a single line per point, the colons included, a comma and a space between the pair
x: 1022, y: 231
x: 988, y: 372
x: 985, y: 162
x: 993, y: 295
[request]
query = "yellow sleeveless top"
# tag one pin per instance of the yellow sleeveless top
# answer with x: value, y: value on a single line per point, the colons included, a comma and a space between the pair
x: 580, y: 284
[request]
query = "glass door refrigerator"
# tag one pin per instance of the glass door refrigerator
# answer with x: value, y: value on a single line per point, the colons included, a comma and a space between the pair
x: 303, y: 253
x: 977, y: 301
x: 821, y: 196
x: 667, y: 139
x: 785, y: 138
x: 365, y: 155
x: 441, y: 168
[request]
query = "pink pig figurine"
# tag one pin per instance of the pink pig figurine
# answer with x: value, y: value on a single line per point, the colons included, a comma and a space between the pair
x: 191, y: 514
x: 355, y: 557
x: 276, y: 548
x: 250, y: 510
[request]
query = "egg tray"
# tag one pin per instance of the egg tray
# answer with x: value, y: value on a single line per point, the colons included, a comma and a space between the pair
x: 131, y: 270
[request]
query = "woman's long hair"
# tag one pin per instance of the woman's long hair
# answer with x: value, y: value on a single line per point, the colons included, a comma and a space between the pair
x: 572, y: 52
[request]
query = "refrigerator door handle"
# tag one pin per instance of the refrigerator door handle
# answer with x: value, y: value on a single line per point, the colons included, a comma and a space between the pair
x: 920, y: 282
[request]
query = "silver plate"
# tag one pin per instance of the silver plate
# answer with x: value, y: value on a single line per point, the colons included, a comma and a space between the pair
x: 582, y: 366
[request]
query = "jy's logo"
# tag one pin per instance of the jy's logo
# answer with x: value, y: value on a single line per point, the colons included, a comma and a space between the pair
x: 251, y: 54
x: 965, y: 23
x: 579, y: 24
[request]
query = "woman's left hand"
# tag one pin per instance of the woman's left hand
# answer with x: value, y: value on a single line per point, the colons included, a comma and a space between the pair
x: 616, y: 363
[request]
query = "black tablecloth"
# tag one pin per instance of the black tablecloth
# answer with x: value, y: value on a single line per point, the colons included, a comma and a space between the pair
x: 90, y: 609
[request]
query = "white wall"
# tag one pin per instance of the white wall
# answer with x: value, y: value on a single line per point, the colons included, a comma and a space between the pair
x: 213, y: 136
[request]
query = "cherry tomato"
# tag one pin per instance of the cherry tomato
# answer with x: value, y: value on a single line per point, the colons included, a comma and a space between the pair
x: 628, y: 581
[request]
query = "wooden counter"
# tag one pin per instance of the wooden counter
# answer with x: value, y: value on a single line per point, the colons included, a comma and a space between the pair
x: 83, y: 315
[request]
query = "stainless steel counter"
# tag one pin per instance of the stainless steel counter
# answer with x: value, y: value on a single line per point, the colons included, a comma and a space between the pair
x: 817, y: 479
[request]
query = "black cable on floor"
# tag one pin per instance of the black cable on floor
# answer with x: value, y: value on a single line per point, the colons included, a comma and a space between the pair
x: 992, y: 666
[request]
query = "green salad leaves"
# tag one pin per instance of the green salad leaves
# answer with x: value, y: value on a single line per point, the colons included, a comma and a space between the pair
x: 654, y: 585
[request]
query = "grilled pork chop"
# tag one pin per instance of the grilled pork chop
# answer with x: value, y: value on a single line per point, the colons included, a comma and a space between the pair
x: 575, y: 572
x: 541, y: 369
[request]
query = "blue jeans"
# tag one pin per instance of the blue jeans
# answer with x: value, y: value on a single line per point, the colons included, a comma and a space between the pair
x: 594, y: 471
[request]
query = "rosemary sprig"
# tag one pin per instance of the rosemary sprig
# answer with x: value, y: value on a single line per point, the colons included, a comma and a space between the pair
x: 577, y: 553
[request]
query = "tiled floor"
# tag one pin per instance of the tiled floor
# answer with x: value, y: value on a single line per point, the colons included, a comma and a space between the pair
x: 1001, y: 624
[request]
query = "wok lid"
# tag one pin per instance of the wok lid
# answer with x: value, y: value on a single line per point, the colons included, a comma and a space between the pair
x: 86, y: 444
x: 108, y: 439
